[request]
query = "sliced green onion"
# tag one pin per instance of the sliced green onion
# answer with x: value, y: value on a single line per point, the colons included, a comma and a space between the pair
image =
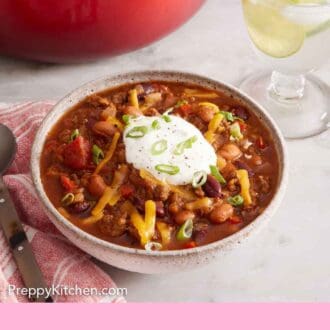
x: 228, y: 115
x: 126, y: 119
x: 67, y: 199
x: 168, y: 169
x: 137, y: 132
x: 235, y: 131
x: 159, y: 147
x: 215, y: 172
x: 167, y: 118
x: 236, y: 200
x: 187, y: 144
x: 97, y: 154
x: 74, y: 134
x: 185, y: 231
x: 153, y: 246
x: 199, y: 179
x: 155, y: 124
x: 181, y: 103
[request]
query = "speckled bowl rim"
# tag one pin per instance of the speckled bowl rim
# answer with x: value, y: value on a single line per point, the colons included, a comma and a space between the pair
x: 169, y: 76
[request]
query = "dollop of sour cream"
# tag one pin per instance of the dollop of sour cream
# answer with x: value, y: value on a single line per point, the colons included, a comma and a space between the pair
x: 172, y: 145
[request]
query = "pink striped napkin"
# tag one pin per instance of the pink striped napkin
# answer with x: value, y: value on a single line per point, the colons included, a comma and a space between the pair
x: 62, y: 264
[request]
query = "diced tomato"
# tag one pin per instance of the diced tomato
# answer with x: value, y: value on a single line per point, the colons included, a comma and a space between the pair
x: 242, y: 125
x: 126, y: 190
x: 185, y: 109
x: 67, y: 183
x: 190, y: 245
x: 77, y: 154
x: 235, y: 219
x: 260, y: 143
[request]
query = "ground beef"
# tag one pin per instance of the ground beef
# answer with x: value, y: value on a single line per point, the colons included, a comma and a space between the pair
x: 114, y: 224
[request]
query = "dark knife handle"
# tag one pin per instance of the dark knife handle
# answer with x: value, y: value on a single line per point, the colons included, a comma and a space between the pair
x: 21, y: 248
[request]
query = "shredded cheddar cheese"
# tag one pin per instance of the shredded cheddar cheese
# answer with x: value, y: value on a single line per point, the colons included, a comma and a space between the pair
x: 243, y: 178
x: 200, y: 94
x: 103, y: 201
x: 115, y: 198
x: 209, y: 105
x: 165, y: 232
x: 115, y: 122
x: 213, y: 126
x: 111, y: 194
x: 145, y: 227
x: 109, y: 153
x: 133, y: 98
x: 201, y: 203
x: 221, y: 162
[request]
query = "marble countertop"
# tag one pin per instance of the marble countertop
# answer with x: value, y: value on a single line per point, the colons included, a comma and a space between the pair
x: 288, y: 260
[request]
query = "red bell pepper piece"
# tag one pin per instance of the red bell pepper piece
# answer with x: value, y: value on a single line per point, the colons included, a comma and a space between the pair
x: 235, y: 219
x: 126, y: 190
x: 67, y: 183
x: 260, y: 143
x: 242, y: 126
x: 190, y: 245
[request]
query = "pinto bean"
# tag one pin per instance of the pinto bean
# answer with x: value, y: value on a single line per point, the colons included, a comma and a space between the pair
x: 221, y: 213
x: 174, y: 207
x: 110, y: 111
x: 132, y: 111
x: 104, y: 128
x: 96, y: 185
x: 151, y: 112
x: 182, y: 216
x: 79, y: 197
x: 256, y: 160
x: 230, y: 151
x: 206, y: 113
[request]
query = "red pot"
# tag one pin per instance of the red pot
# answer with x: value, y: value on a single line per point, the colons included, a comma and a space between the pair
x: 77, y: 30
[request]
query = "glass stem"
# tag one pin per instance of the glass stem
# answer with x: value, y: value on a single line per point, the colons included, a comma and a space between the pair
x: 286, y: 87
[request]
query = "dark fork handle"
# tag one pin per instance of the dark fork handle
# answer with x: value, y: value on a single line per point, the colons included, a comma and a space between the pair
x: 21, y: 248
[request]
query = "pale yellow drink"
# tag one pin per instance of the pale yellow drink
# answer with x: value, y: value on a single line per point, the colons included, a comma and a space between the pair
x: 291, y: 35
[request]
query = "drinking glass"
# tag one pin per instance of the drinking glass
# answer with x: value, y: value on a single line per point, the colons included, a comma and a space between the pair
x: 293, y: 38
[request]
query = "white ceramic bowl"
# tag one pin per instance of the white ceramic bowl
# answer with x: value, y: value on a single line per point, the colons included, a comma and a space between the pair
x: 140, y: 260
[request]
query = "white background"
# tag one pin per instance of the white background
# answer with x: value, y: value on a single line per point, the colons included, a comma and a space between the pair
x: 289, y: 259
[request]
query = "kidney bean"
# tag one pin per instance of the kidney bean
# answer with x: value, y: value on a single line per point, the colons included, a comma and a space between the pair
x: 212, y: 187
x: 241, y: 112
x: 79, y: 207
x: 160, y: 211
x: 139, y: 203
x: 244, y: 166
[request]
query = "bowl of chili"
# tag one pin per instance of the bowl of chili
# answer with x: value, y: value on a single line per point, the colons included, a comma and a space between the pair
x: 158, y: 171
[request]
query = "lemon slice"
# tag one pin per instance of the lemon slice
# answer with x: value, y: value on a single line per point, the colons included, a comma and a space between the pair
x: 270, y: 31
